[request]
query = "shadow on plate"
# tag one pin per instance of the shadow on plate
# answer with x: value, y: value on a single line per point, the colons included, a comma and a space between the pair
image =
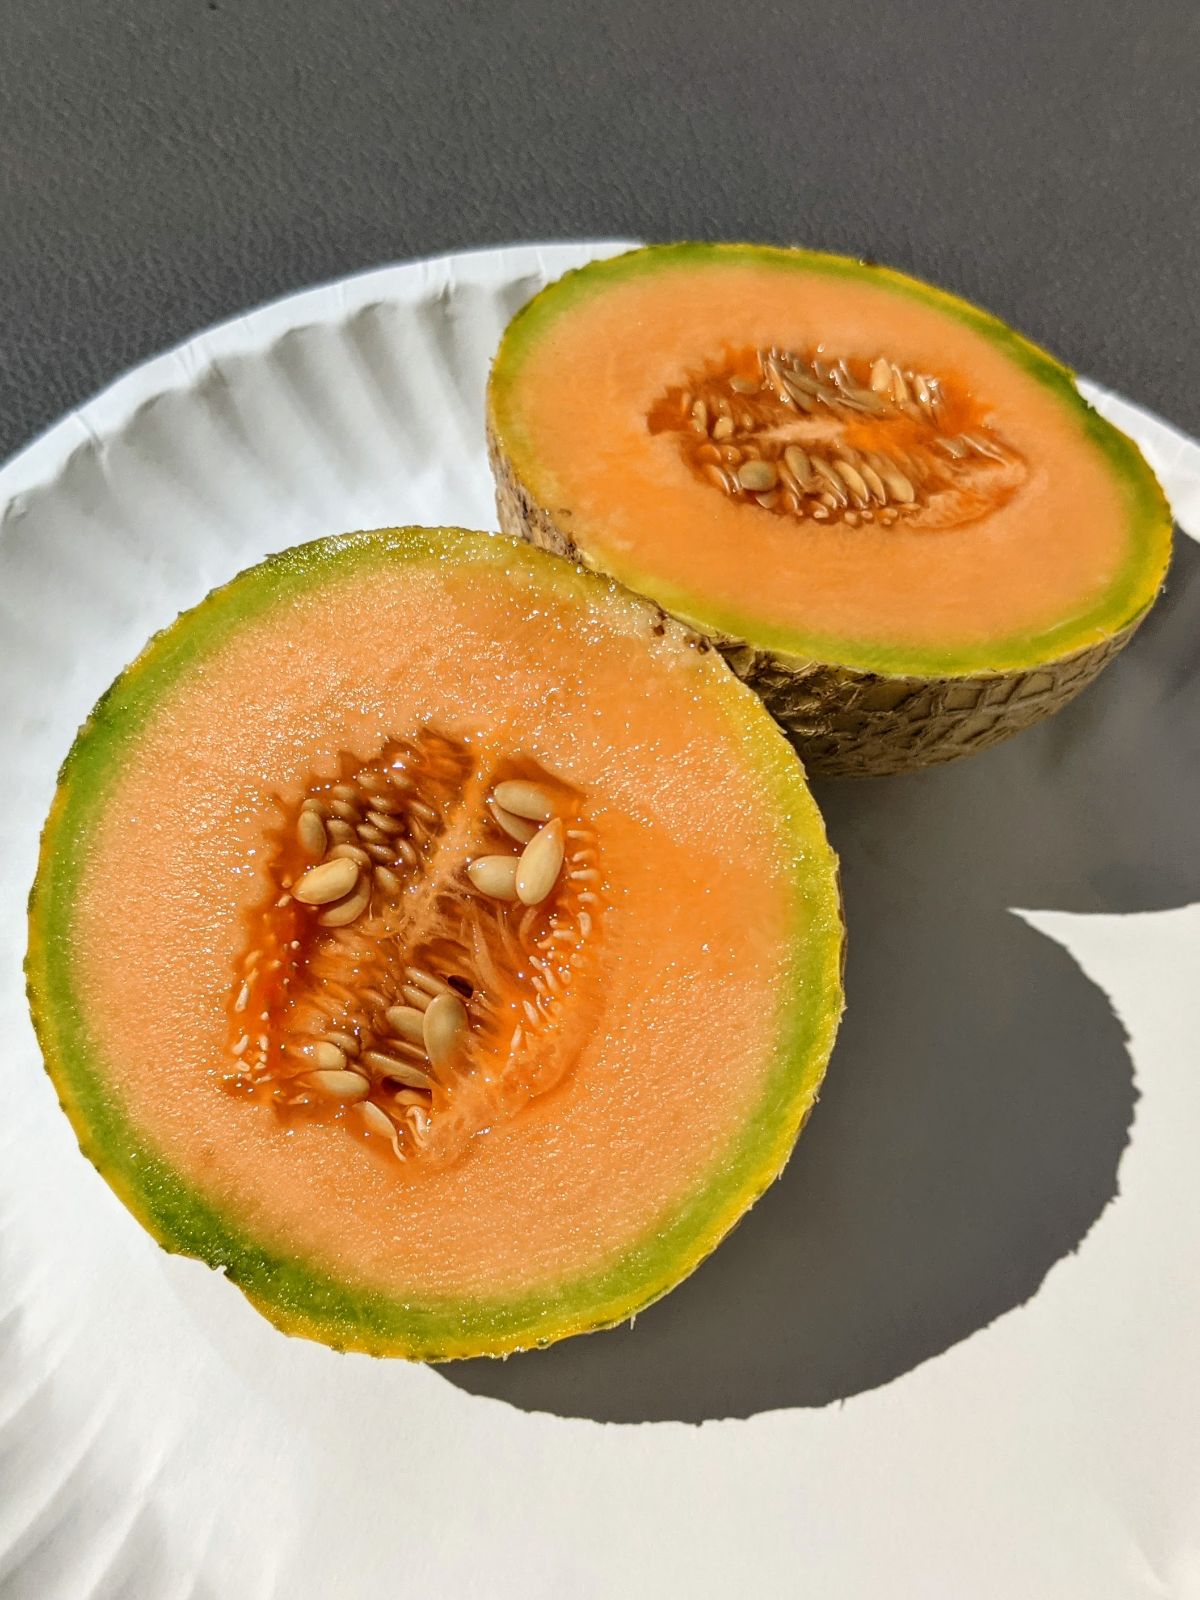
x: 981, y: 1092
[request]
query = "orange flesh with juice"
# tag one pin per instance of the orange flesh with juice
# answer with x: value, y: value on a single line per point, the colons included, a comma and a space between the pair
x: 714, y: 873
x: 520, y: 979
x: 576, y: 403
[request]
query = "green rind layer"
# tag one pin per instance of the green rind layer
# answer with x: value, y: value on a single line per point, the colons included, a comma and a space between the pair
x: 302, y: 1296
x: 1129, y: 595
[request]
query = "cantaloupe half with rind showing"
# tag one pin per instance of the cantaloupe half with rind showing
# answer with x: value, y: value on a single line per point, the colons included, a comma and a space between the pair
x: 897, y: 518
x: 436, y: 940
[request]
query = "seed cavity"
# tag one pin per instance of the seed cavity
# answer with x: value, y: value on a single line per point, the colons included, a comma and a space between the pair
x: 845, y: 442
x: 423, y: 960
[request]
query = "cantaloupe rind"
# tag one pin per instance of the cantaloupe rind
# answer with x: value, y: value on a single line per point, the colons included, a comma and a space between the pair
x: 853, y: 705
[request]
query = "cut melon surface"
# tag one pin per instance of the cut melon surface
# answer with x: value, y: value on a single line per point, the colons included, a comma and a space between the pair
x: 585, y: 1091
x: 897, y: 517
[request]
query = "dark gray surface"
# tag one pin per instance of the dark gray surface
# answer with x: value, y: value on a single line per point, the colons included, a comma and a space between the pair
x: 165, y: 163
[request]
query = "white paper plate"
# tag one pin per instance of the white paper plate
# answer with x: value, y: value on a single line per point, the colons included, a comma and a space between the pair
x: 1015, y: 1348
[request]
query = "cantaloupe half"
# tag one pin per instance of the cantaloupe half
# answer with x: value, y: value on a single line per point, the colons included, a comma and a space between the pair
x: 435, y: 940
x: 897, y: 518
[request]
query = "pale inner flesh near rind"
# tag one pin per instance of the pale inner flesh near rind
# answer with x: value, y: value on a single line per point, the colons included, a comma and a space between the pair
x: 1028, y: 582
x: 702, y: 870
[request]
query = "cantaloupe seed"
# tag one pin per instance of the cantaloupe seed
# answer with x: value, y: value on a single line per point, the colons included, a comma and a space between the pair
x: 405, y: 977
x: 444, y: 1024
x: 339, y: 1085
x: 530, y: 800
x: 495, y: 876
x: 850, y: 440
x: 518, y: 828
x: 406, y: 1022
x: 426, y: 980
x: 310, y: 831
x: 349, y: 909
x: 540, y: 864
x: 330, y: 881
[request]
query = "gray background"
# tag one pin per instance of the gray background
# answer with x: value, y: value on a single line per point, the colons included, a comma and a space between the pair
x: 165, y: 163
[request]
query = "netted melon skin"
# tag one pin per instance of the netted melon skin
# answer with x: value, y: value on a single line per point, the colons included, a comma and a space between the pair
x: 850, y: 724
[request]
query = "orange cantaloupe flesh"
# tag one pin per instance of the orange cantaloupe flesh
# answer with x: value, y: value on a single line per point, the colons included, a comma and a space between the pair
x: 720, y: 943
x: 1067, y: 558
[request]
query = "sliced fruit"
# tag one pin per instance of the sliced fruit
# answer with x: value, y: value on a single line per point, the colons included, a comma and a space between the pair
x: 897, y: 518
x: 436, y: 940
